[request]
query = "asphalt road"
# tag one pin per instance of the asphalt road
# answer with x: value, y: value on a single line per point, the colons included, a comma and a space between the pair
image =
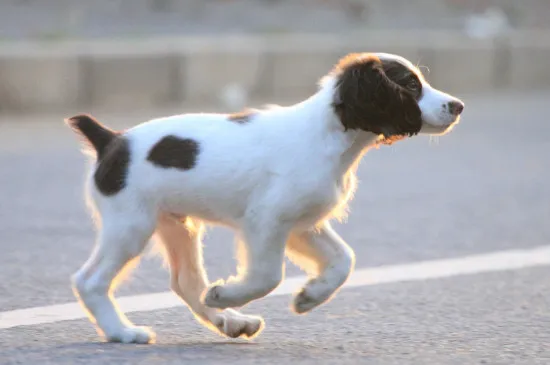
x: 483, y: 188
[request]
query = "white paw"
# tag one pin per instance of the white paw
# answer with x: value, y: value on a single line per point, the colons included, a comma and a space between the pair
x: 303, y: 302
x: 214, y: 298
x: 136, y: 334
x: 234, y: 324
x: 315, y: 293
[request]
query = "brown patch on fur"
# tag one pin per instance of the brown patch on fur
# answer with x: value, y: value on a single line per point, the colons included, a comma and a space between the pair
x: 391, y: 140
x: 367, y: 99
x: 112, y: 168
x: 243, y: 117
x: 174, y: 152
x: 404, y: 77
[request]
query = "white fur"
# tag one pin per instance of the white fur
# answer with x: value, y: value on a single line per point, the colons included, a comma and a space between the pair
x: 277, y: 181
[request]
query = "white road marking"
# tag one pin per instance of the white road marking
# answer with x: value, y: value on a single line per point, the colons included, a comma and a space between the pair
x: 424, y: 270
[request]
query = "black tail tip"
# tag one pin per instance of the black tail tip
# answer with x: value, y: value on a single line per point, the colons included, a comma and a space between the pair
x: 78, y: 120
x: 92, y: 132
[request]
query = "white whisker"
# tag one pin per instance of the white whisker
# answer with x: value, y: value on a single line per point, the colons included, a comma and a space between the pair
x: 425, y: 68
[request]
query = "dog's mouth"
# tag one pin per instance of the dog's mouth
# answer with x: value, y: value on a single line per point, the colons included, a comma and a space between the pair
x: 439, y: 130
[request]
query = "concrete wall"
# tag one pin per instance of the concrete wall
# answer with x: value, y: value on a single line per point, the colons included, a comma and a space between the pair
x: 124, y: 74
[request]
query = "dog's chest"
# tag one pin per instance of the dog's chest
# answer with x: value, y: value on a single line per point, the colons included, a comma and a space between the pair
x: 324, y: 200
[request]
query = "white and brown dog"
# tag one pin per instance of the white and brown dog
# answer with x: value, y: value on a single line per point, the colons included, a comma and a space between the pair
x: 275, y: 176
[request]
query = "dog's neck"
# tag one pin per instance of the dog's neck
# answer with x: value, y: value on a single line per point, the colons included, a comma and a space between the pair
x: 360, y: 143
x: 344, y: 147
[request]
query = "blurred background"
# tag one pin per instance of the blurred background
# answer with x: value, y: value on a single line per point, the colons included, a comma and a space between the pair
x: 66, y: 19
x: 481, y: 189
x: 123, y: 53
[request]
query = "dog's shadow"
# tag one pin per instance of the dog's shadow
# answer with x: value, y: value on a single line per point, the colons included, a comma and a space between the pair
x: 173, y: 349
x: 104, y: 345
x: 85, y: 351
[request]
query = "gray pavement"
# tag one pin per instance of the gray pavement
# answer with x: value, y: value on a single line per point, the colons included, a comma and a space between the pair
x: 482, y: 188
x: 494, y: 319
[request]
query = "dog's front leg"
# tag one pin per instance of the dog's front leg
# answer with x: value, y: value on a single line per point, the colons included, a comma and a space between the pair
x: 327, y: 259
x: 261, y: 264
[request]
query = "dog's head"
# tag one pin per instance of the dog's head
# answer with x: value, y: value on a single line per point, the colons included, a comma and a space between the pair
x: 387, y: 95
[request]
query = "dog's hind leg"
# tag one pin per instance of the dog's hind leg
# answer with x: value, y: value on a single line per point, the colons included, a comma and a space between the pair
x: 125, y: 231
x: 328, y: 260
x: 182, y: 241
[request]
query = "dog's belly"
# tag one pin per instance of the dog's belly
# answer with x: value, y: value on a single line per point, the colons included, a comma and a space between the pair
x: 231, y: 213
x: 303, y: 205
x: 212, y: 212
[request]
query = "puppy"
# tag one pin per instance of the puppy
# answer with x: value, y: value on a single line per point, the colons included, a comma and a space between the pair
x: 276, y: 176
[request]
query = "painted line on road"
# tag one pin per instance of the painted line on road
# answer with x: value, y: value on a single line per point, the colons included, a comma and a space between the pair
x: 418, y: 271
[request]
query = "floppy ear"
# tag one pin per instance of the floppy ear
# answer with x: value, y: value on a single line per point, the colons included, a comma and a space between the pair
x: 365, y: 98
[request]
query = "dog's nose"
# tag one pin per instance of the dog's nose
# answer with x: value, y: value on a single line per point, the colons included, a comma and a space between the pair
x: 456, y: 107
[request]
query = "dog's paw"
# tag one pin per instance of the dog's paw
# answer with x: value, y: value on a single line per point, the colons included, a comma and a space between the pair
x: 316, y: 292
x: 304, y: 302
x: 234, y: 324
x: 141, y: 335
x: 214, y: 298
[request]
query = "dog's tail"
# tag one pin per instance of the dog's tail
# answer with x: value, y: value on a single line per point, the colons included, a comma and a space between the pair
x: 92, y: 132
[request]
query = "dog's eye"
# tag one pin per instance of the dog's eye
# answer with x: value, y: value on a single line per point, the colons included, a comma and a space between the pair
x: 413, y: 85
